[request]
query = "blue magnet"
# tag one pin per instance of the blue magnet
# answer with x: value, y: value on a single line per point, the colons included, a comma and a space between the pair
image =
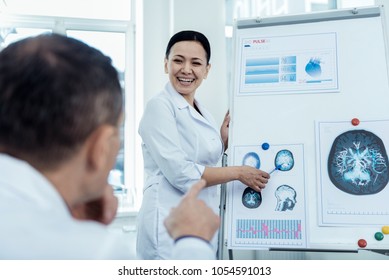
x: 265, y: 146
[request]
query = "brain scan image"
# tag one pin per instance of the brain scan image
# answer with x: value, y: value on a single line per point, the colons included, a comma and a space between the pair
x: 251, y: 199
x: 286, y: 198
x: 284, y: 160
x: 252, y: 159
x: 358, y: 163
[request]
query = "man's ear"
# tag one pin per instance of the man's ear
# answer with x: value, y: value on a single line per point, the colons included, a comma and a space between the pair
x: 99, y: 146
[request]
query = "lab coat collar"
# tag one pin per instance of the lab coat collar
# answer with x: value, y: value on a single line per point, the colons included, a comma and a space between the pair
x: 178, y: 99
x: 32, y: 186
x: 181, y: 103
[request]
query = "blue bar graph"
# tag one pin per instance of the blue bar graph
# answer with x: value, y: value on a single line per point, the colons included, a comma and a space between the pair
x: 268, y: 229
x: 270, y: 70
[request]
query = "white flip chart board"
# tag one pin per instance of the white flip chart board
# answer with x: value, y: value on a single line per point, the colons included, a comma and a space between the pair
x: 310, y: 99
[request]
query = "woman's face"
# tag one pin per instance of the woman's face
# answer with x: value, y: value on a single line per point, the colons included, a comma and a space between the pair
x: 187, y: 67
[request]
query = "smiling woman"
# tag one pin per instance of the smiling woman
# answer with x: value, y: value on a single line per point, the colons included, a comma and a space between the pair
x: 179, y: 138
x: 187, y: 66
x: 181, y: 145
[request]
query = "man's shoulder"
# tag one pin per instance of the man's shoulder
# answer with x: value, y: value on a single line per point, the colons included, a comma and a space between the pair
x: 31, y: 234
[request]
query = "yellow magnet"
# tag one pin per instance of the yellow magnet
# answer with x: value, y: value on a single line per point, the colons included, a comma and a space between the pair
x: 385, y: 229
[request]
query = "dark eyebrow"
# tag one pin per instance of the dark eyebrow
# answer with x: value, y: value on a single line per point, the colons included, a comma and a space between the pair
x: 194, y: 58
x: 197, y: 58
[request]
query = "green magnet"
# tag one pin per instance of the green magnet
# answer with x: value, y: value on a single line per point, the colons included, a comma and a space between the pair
x: 378, y: 236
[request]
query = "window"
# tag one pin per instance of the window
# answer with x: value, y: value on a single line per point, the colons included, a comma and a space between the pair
x: 108, y: 26
x: 89, y: 9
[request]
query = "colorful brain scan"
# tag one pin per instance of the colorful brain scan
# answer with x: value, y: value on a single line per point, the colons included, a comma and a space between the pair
x: 358, y: 163
x: 284, y: 160
x: 252, y: 159
x: 251, y: 199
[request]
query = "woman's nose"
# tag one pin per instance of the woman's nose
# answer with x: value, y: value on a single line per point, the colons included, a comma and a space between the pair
x: 186, y: 68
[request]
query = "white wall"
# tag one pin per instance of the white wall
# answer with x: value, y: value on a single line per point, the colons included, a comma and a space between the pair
x: 386, y: 11
x: 163, y: 18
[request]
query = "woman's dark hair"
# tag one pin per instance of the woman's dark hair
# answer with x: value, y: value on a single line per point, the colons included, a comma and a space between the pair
x: 190, y: 35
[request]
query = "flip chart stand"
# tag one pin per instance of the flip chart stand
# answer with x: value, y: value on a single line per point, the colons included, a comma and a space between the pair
x: 222, y: 210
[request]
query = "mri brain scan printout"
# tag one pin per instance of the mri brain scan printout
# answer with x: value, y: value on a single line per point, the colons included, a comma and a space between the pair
x: 252, y: 159
x: 284, y: 160
x: 276, y: 215
x: 358, y: 163
x: 286, y: 198
x: 251, y: 199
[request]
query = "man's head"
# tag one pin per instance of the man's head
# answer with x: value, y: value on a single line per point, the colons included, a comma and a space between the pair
x: 54, y: 93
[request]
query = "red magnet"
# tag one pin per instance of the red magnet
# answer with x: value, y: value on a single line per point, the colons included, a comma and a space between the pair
x: 362, y: 243
x: 355, y: 121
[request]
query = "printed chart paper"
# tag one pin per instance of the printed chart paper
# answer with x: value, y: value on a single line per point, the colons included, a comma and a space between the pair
x: 287, y: 64
x: 354, y: 174
x: 276, y: 216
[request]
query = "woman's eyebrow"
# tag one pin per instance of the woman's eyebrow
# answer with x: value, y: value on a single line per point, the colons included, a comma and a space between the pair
x: 192, y: 59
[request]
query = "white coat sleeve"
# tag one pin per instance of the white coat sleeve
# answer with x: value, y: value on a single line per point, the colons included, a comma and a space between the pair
x: 160, y: 135
x: 191, y: 248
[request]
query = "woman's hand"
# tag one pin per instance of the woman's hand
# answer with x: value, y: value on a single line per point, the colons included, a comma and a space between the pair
x: 253, y: 178
x: 224, y: 130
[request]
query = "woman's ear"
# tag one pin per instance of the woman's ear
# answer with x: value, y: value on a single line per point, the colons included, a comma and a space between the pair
x: 207, y: 71
x: 165, y: 66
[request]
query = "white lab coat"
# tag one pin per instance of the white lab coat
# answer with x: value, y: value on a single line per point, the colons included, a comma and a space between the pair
x: 36, y: 223
x: 178, y: 143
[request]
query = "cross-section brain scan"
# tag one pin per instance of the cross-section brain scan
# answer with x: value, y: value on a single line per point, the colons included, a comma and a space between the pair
x: 284, y: 160
x: 251, y: 198
x: 252, y: 159
x: 358, y: 163
x: 286, y: 198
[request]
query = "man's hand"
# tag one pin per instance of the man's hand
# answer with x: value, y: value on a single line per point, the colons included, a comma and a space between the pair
x: 102, y: 210
x: 192, y: 216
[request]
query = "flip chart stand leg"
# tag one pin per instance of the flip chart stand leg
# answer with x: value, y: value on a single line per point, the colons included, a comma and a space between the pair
x: 222, y: 210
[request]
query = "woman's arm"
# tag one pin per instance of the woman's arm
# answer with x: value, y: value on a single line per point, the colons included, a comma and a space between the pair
x: 250, y: 176
x: 163, y: 145
x: 224, y: 130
